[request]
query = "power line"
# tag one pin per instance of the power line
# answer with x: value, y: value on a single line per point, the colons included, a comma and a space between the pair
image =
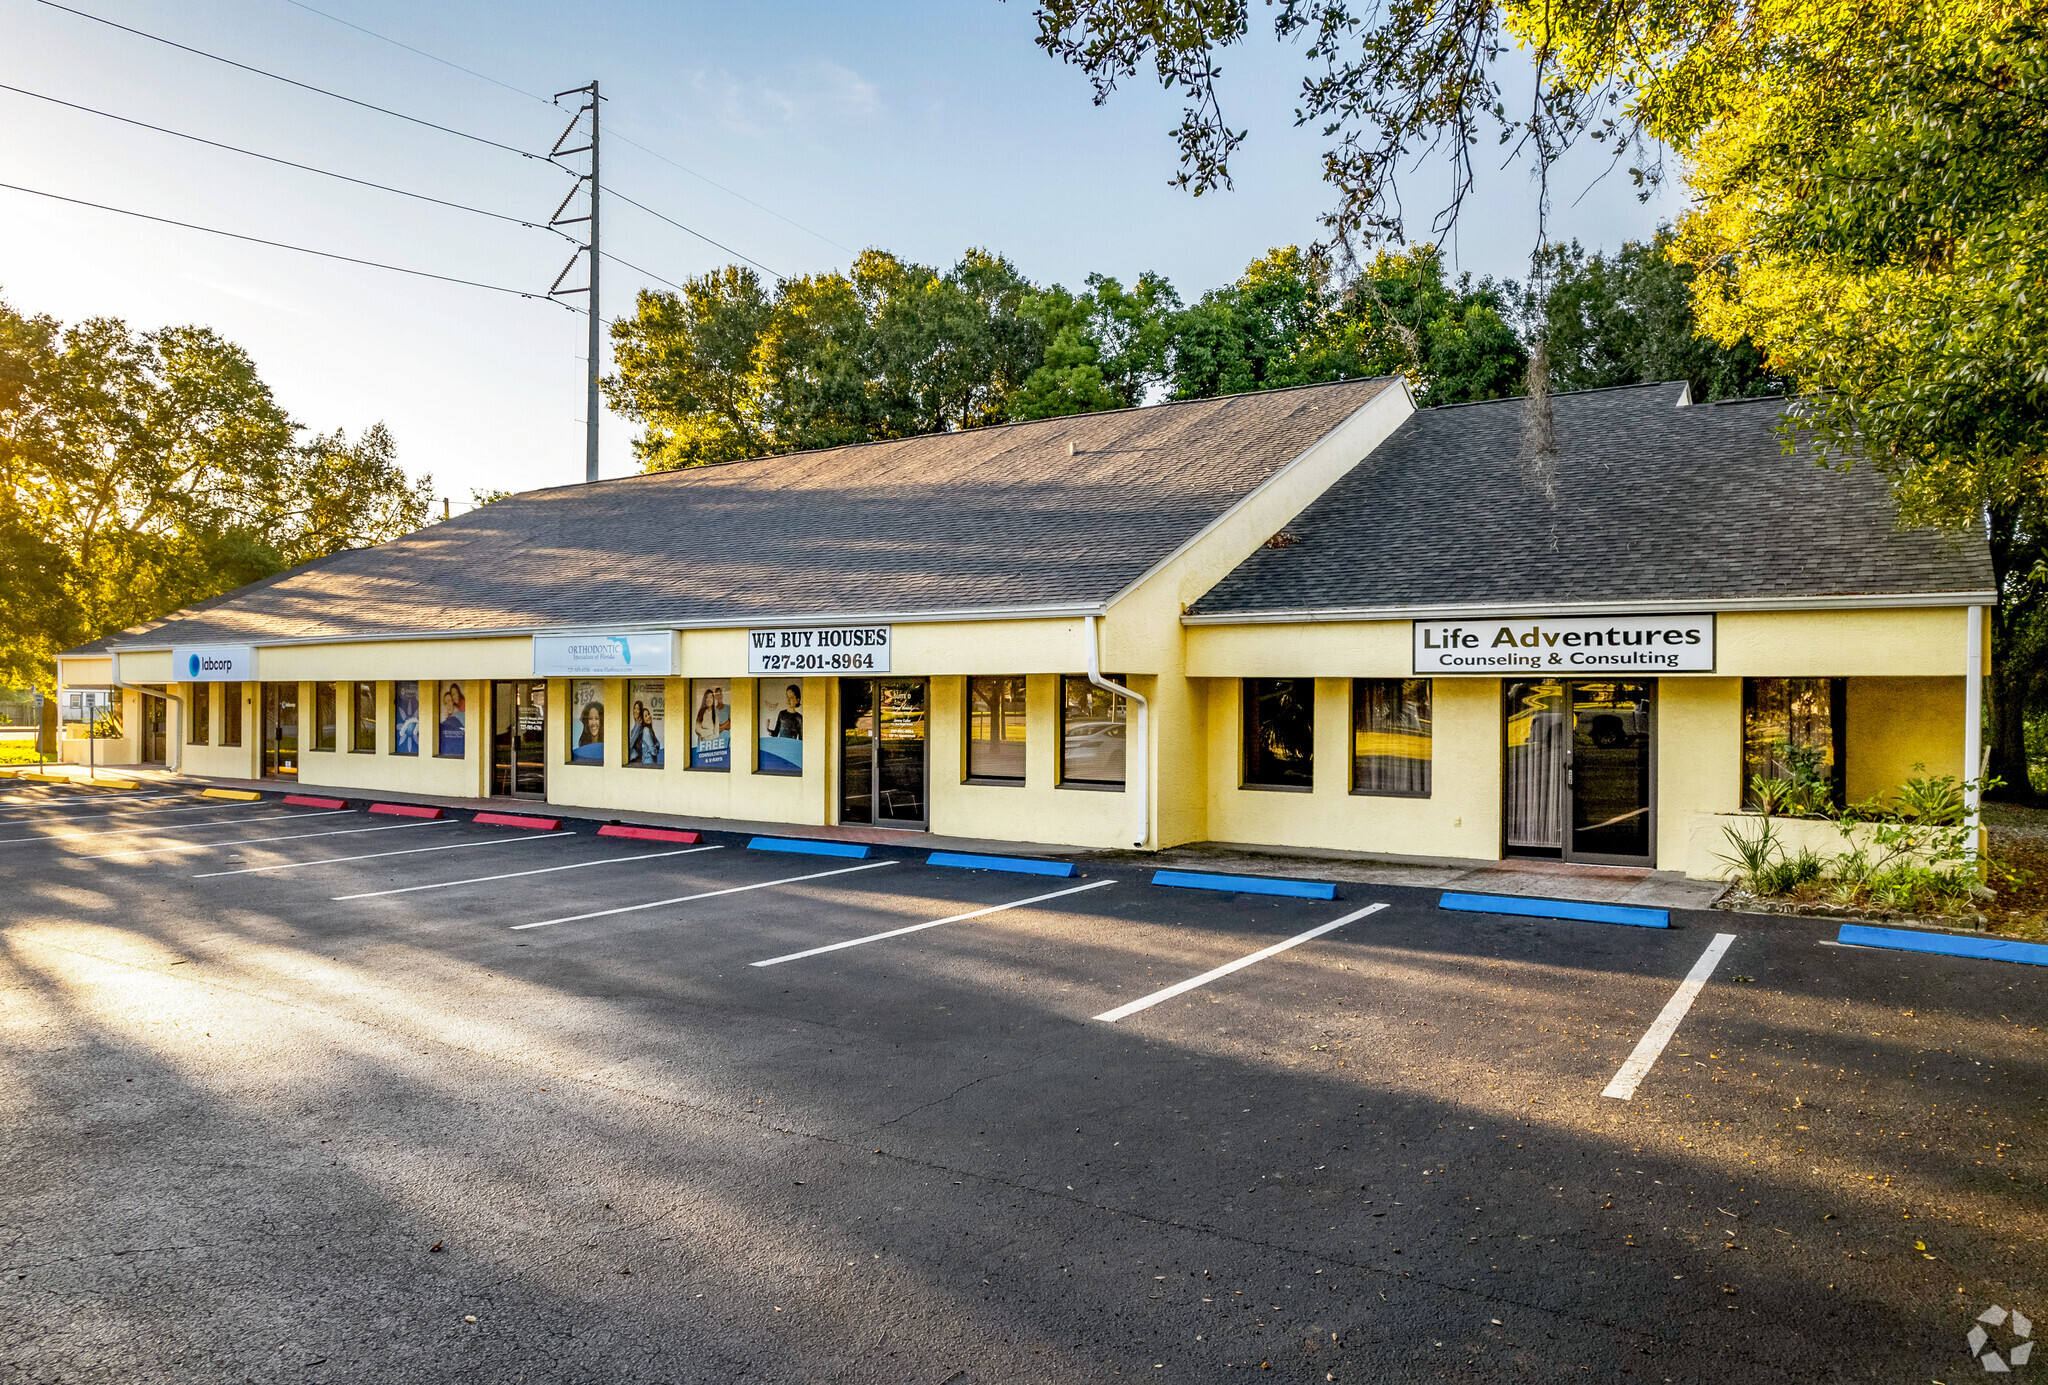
x: 536, y: 96
x: 283, y: 245
x: 730, y: 193
x: 637, y: 270
x: 470, y: 71
x: 698, y: 234
x: 290, y: 81
x: 288, y: 163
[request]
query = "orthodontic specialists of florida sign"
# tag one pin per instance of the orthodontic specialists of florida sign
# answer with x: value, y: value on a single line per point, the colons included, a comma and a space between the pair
x: 1567, y: 645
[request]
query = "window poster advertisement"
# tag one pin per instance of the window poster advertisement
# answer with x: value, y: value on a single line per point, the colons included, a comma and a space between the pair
x: 453, y: 740
x: 711, y: 723
x: 781, y: 747
x: 586, y: 721
x: 645, y: 714
x: 405, y: 718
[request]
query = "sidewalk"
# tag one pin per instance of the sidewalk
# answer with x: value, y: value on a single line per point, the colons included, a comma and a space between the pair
x: 1536, y: 878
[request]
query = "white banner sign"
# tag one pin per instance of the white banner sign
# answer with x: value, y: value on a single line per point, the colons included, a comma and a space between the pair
x: 819, y: 649
x: 213, y: 663
x: 598, y: 655
x: 1567, y: 645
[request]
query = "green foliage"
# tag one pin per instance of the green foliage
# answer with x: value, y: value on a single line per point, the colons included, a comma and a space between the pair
x: 1911, y: 854
x: 1626, y: 318
x: 141, y: 472
x: 1751, y: 856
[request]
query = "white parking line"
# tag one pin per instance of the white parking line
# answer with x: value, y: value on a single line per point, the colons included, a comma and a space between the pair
x: 514, y: 875
x: 1132, y: 1008
x: 176, y: 827
x: 247, y: 841
x: 1666, y: 1024
x: 708, y: 894
x: 375, y: 855
x: 920, y: 927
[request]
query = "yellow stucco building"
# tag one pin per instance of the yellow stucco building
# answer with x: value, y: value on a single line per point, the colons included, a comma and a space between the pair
x: 1314, y: 618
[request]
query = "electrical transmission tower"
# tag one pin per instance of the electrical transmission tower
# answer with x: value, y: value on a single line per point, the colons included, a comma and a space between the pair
x: 588, y: 252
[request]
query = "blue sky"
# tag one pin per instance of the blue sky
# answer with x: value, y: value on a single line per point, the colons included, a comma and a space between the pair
x: 922, y: 128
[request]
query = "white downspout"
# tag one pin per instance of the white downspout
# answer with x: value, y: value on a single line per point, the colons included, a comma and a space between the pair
x: 1973, y: 724
x: 1137, y: 766
x: 174, y: 730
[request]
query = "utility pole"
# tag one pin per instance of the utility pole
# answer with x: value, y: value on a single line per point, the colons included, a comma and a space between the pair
x: 590, y: 251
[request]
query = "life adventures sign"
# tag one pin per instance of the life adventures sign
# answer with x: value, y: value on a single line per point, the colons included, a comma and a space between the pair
x: 1567, y: 645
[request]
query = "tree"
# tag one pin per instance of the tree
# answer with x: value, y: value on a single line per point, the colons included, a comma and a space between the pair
x: 141, y: 472
x: 1387, y: 82
x: 1286, y: 321
x: 1626, y: 318
x: 1104, y: 349
x: 1875, y: 218
x: 726, y: 369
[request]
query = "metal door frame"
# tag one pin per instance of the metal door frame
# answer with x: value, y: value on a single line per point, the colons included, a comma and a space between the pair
x: 266, y: 754
x: 875, y: 754
x: 1566, y: 783
x: 491, y: 743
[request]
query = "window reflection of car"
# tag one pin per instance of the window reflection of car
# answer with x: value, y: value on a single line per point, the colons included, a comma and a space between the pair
x: 1095, y: 749
x: 1626, y: 724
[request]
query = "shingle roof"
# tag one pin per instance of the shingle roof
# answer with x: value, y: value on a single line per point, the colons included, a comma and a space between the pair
x: 1653, y: 502
x: 1001, y: 518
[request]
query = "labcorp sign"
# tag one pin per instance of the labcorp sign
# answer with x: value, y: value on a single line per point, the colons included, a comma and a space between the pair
x: 598, y: 654
x: 213, y: 663
x: 1567, y: 645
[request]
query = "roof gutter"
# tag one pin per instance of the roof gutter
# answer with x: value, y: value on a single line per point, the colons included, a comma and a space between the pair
x: 1511, y: 610
x: 1074, y: 612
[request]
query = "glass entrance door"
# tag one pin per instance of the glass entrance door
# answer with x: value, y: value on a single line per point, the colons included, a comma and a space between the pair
x: 1579, y: 781
x: 155, y: 736
x: 519, y: 739
x: 280, y: 730
x: 882, y: 732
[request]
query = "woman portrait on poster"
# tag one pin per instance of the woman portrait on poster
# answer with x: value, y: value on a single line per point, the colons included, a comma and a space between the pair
x: 643, y: 742
x: 712, y: 716
x: 453, y: 715
x: 590, y: 736
x: 789, y: 719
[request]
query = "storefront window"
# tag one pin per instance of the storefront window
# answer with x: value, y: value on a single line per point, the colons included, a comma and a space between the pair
x: 646, y: 723
x: 1390, y: 737
x: 1279, y: 733
x: 779, y: 749
x: 405, y: 718
x: 362, y: 736
x: 1794, y: 733
x: 711, y: 724
x: 323, y: 716
x: 451, y: 733
x: 201, y: 714
x: 231, y: 714
x: 1091, y: 733
x: 586, y: 722
x: 995, y: 729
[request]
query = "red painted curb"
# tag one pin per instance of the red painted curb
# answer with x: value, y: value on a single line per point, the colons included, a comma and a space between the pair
x: 650, y: 834
x: 514, y: 820
x: 300, y: 800
x: 405, y: 810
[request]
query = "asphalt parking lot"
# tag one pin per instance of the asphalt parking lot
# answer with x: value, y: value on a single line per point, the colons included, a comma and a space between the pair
x: 321, y: 1096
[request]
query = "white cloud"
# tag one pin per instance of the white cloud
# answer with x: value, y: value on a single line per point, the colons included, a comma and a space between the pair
x: 763, y: 104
